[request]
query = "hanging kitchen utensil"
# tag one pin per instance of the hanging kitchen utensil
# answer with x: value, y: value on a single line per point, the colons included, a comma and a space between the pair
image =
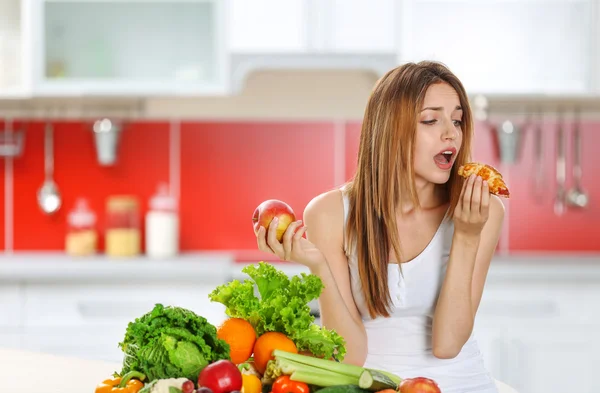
x: 561, y: 169
x: 106, y: 137
x: 11, y: 141
x: 576, y: 196
x: 49, y: 197
x: 538, y: 172
x: 508, y: 142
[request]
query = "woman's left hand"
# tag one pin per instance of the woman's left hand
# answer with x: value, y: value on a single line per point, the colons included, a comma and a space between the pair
x: 472, y: 210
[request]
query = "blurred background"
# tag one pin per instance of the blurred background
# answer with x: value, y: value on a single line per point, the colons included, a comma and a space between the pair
x: 138, y: 136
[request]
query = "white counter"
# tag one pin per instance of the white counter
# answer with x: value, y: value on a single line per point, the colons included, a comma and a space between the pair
x: 49, y: 267
x: 211, y: 267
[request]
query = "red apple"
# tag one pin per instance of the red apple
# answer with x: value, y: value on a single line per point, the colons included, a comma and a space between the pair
x: 269, y: 209
x: 419, y: 385
x: 221, y: 376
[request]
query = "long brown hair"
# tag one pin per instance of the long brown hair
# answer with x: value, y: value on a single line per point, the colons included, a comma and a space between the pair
x: 385, y: 170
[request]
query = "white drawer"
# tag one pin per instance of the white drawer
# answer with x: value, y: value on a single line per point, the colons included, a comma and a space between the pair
x: 551, y: 302
x: 10, y: 338
x: 95, y: 343
x: 10, y: 305
x: 103, y: 304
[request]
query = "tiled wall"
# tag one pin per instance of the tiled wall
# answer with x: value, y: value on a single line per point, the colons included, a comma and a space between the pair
x: 223, y: 170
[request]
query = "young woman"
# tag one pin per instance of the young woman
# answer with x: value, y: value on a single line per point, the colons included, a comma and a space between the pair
x: 404, y: 247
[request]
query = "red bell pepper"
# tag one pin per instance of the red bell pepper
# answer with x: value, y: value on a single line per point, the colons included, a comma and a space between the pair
x: 284, y: 384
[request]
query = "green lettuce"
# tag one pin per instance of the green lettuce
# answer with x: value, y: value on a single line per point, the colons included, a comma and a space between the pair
x: 171, y: 342
x: 281, y: 305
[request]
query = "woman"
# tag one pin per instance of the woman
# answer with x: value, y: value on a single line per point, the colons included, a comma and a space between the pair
x: 404, y: 248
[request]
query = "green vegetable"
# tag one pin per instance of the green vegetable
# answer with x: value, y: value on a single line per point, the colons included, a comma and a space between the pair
x: 281, y: 307
x: 376, y: 380
x: 325, y: 373
x: 343, y: 389
x: 171, y: 342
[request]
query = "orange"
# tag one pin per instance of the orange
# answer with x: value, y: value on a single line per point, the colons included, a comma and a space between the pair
x: 240, y: 336
x: 266, y: 344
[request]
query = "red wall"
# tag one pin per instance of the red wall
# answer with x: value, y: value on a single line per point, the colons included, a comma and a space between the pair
x: 228, y: 168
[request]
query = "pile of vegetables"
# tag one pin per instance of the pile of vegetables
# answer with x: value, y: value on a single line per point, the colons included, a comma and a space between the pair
x: 269, y: 344
x: 282, y: 306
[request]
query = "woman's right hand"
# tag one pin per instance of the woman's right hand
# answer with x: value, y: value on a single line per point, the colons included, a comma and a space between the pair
x: 293, y: 247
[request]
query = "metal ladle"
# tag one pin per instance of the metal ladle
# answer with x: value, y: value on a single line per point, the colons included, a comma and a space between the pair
x: 576, y: 196
x: 48, y: 195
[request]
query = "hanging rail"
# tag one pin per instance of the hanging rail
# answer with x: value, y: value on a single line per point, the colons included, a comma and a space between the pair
x: 72, y: 109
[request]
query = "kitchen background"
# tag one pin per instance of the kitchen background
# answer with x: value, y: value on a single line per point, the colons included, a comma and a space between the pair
x: 216, y: 106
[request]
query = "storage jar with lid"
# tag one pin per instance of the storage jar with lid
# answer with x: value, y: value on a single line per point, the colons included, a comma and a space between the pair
x: 162, y: 225
x: 123, y: 228
x: 82, y: 235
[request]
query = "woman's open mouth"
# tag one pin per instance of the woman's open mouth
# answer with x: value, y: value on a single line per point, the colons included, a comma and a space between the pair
x: 445, y: 158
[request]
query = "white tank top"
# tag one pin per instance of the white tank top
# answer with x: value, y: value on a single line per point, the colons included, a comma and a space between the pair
x: 401, y: 344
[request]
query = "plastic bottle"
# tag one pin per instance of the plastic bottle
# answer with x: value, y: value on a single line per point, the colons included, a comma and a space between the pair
x: 162, y: 225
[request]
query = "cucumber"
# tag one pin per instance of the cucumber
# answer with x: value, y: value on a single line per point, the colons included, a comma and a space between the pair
x: 374, y: 381
x: 343, y: 389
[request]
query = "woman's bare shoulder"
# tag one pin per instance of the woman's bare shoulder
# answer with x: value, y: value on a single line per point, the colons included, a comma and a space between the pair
x: 326, y: 206
x: 324, y: 217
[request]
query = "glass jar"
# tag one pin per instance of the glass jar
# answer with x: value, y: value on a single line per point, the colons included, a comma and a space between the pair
x: 82, y: 235
x: 123, y: 231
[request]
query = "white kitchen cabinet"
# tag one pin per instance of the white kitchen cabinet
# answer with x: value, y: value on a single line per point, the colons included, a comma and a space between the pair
x: 313, y: 26
x: 128, y: 47
x: 107, y: 304
x: 10, y: 306
x: 14, y: 66
x: 358, y: 26
x: 505, y: 47
x: 94, y: 343
x: 559, y: 358
x: 267, y: 26
x: 89, y: 320
x: 11, y: 338
x: 490, y: 339
x: 541, y: 336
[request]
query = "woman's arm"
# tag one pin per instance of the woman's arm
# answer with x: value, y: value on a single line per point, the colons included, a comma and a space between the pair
x: 324, y: 218
x: 478, y: 224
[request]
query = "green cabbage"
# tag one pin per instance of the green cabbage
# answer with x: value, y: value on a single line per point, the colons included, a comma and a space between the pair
x: 171, y: 342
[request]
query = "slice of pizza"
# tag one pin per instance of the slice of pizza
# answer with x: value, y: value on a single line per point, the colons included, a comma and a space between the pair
x: 489, y: 173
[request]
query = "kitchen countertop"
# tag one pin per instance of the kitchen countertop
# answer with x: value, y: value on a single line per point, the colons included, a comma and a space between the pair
x: 59, y: 267
x: 223, y: 266
x: 32, y: 372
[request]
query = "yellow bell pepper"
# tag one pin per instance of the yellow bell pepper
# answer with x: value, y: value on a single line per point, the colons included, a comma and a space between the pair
x: 126, y: 384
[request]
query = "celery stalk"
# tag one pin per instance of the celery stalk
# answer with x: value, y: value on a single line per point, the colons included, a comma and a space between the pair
x: 326, y: 365
x: 323, y: 379
x: 307, y: 372
x: 288, y: 367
